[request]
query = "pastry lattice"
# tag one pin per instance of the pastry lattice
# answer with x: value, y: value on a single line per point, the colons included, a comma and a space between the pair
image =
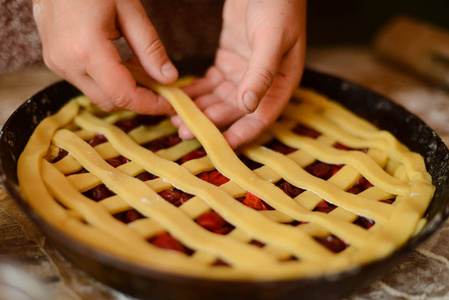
x: 282, y: 242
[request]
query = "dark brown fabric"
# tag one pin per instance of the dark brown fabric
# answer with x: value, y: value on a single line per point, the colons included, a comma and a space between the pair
x: 188, y: 29
x: 19, y: 42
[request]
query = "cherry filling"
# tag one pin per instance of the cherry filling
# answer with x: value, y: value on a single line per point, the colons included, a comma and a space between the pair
x: 361, y: 185
x: 213, y: 177
x: 166, y: 241
x: 289, y: 189
x: 332, y: 242
x: 324, y: 207
x: 323, y: 170
x: 254, y: 202
x: 213, y: 222
x: 99, y: 193
x: 346, y: 148
x: 364, y: 222
x: 163, y: 143
x: 98, y: 139
x: 278, y: 146
x: 128, y: 216
x: 145, y: 176
x: 192, y: 155
x: 306, y: 131
x: 127, y: 125
x: 61, y: 154
x: 175, y: 196
x: 147, y: 120
x: 117, y: 161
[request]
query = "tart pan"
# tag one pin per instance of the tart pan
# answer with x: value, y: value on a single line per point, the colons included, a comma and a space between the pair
x: 145, y: 283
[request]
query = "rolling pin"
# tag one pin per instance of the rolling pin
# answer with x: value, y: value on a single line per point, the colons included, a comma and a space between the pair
x: 421, y: 47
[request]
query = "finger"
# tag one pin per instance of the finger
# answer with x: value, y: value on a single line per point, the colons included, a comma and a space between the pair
x: 245, y: 130
x: 92, y: 91
x: 262, y: 68
x: 144, y: 41
x: 206, y: 84
x: 224, y: 92
x: 119, y: 86
x: 248, y: 127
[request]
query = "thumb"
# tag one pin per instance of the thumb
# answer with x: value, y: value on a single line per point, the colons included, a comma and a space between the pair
x: 145, y: 42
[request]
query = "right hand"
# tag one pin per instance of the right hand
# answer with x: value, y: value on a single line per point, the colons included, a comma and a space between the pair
x: 77, y: 44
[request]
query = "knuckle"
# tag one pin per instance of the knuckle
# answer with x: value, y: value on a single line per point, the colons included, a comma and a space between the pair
x: 265, y: 77
x: 121, y: 101
x: 106, y: 106
x: 51, y: 57
x: 154, y: 48
x: 60, y: 57
x: 79, y: 52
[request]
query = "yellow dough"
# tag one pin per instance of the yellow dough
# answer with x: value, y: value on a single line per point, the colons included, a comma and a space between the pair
x: 55, y: 190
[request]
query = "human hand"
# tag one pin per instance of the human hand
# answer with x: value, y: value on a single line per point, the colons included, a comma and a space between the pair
x: 77, y: 45
x: 258, y: 64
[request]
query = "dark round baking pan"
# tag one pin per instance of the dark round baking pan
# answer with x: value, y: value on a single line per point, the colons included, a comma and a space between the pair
x: 145, y: 283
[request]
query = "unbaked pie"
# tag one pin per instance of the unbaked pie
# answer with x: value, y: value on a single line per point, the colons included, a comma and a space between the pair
x: 320, y: 192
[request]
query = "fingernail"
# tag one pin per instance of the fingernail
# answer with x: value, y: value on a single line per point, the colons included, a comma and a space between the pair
x: 250, y: 101
x: 169, y: 71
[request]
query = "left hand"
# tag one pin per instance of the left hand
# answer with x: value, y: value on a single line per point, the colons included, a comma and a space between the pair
x: 258, y: 65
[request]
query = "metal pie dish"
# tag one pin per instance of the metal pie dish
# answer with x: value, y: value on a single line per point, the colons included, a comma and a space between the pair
x: 143, y: 282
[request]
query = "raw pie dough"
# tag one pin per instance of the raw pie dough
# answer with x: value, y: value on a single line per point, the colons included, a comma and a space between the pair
x: 285, y: 249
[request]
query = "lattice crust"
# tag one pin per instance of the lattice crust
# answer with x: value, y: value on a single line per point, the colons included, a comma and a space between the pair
x: 327, y: 190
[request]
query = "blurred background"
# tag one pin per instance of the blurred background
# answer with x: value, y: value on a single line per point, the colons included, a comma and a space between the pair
x: 357, y: 21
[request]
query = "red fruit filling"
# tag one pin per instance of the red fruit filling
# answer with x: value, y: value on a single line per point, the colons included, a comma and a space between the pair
x: 117, y: 161
x: 388, y: 201
x: 296, y: 223
x: 220, y: 262
x: 306, y: 131
x: 213, y: 222
x: 192, y: 155
x: 167, y: 241
x: 289, y: 189
x: 346, y: 148
x: 213, y: 177
x: 332, y: 242
x: 278, y: 146
x: 163, y: 143
x: 361, y: 185
x: 175, y: 196
x: 323, y: 170
x: 99, y: 193
x: 127, y: 125
x: 254, y: 202
x: 324, y: 207
x: 341, y: 147
x: 145, y: 176
x: 364, y: 222
x: 257, y: 243
x: 98, y: 138
x: 61, y: 154
x: 128, y: 216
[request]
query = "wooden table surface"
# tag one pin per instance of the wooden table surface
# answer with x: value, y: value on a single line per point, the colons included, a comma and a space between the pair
x: 45, y: 274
